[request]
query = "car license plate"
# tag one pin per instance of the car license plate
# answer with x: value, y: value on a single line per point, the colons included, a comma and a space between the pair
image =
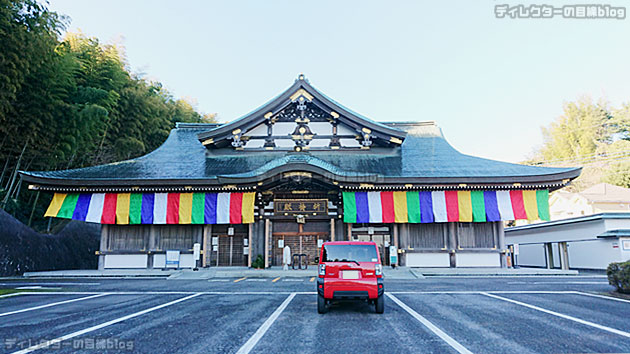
x: 350, y: 274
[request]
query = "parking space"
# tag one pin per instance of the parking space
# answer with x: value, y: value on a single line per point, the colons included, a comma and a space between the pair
x: 218, y: 323
x: 612, y: 314
x: 274, y: 315
x: 48, y: 323
x: 487, y: 325
x: 16, y: 303
x: 348, y: 327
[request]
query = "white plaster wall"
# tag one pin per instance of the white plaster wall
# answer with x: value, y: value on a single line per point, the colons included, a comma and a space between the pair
x: 319, y: 142
x: 159, y: 261
x: 556, y: 255
x: 260, y: 129
x: 284, y: 143
x: 321, y: 128
x: 532, y: 255
x: 125, y: 261
x: 625, y: 251
x: 186, y: 261
x: 257, y: 143
x: 613, y: 224
x: 595, y: 254
x: 284, y: 128
x: 587, y: 230
x: 428, y: 260
x: 349, y: 142
x: 489, y: 259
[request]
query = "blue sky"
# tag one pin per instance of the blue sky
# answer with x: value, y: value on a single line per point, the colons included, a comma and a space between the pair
x: 489, y: 83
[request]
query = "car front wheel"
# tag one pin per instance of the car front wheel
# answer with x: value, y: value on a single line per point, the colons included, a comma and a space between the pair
x: 321, y: 304
x: 379, y: 304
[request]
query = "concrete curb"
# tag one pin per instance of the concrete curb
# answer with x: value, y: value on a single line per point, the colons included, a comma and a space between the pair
x: 400, y: 273
x: 509, y: 272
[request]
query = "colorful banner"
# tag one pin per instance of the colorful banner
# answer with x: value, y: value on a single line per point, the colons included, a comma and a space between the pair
x: 154, y: 208
x: 444, y: 206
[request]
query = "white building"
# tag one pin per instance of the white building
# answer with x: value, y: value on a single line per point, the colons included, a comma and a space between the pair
x: 600, y: 198
x: 584, y: 242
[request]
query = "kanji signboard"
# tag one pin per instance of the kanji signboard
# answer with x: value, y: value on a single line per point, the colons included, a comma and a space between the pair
x: 300, y: 206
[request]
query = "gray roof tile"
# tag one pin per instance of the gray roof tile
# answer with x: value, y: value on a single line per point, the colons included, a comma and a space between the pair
x: 424, y: 154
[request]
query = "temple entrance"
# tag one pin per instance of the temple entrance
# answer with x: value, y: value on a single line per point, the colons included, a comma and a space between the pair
x: 308, y: 244
x: 230, y: 251
x: 228, y: 246
x: 377, y: 234
x: 303, y: 238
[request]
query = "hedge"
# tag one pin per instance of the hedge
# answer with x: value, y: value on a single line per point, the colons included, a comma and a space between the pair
x: 619, y: 276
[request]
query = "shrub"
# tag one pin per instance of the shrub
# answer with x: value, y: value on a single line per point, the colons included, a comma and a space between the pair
x: 259, y: 262
x: 619, y: 276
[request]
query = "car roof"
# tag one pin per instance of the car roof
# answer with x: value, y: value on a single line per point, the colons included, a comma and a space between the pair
x: 349, y: 243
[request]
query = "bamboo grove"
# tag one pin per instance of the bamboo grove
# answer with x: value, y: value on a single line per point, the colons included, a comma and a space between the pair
x: 70, y: 101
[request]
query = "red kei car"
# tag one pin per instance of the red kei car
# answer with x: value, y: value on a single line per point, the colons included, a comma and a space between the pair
x: 350, y: 270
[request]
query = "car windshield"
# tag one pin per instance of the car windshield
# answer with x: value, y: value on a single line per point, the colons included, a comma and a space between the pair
x: 349, y: 253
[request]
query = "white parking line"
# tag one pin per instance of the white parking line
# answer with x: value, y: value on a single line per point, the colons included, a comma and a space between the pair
x: 559, y: 282
x: 289, y: 292
x: 289, y: 279
x: 11, y: 294
x: 445, y: 337
x: 256, y: 279
x: 102, y: 325
x: 601, y: 296
x: 249, y: 345
x: 48, y: 284
x: 36, y: 287
x: 481, y: 292
x: 52, y: 304
x: 515, y: 276
x: 219, y: 280
x: 172, y: 293
x: 300, y: 292
x: 567, y: 317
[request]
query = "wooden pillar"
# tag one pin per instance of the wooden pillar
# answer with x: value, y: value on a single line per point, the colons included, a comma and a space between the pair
x: 103, y: 246
x: 452, y: 237
x: 250, y: 231
x: 151, y: 246
x: 502, y: 247
x: 206, y: 246
x: 395, y: 234
x: 349, y: 233
x: 267, y: 231
x: 332, y: 229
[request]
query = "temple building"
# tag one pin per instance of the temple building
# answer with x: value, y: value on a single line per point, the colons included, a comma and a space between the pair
x: 300, y: 170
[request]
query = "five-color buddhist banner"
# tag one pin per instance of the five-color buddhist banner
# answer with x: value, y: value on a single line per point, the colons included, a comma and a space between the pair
x: 445, y: 206
x: 154, y: 208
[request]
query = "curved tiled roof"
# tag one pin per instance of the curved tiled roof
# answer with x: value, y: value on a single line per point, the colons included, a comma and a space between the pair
x: 424, y: 157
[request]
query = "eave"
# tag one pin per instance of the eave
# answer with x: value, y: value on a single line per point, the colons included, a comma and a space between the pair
x: 375, y: 182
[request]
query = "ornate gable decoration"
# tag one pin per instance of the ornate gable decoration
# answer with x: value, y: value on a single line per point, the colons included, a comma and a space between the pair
x: 300, y: 119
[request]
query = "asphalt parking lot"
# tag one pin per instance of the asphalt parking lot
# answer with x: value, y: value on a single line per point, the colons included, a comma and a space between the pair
x: 258, y: 315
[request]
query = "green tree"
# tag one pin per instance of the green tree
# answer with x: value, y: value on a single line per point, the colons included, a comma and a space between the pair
x: 618, y: 172
x: 71, y: 102
x: 583, y: 130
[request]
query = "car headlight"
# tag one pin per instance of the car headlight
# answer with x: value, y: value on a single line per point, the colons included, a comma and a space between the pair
x: 322, y: 269
x: 378, y: 269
